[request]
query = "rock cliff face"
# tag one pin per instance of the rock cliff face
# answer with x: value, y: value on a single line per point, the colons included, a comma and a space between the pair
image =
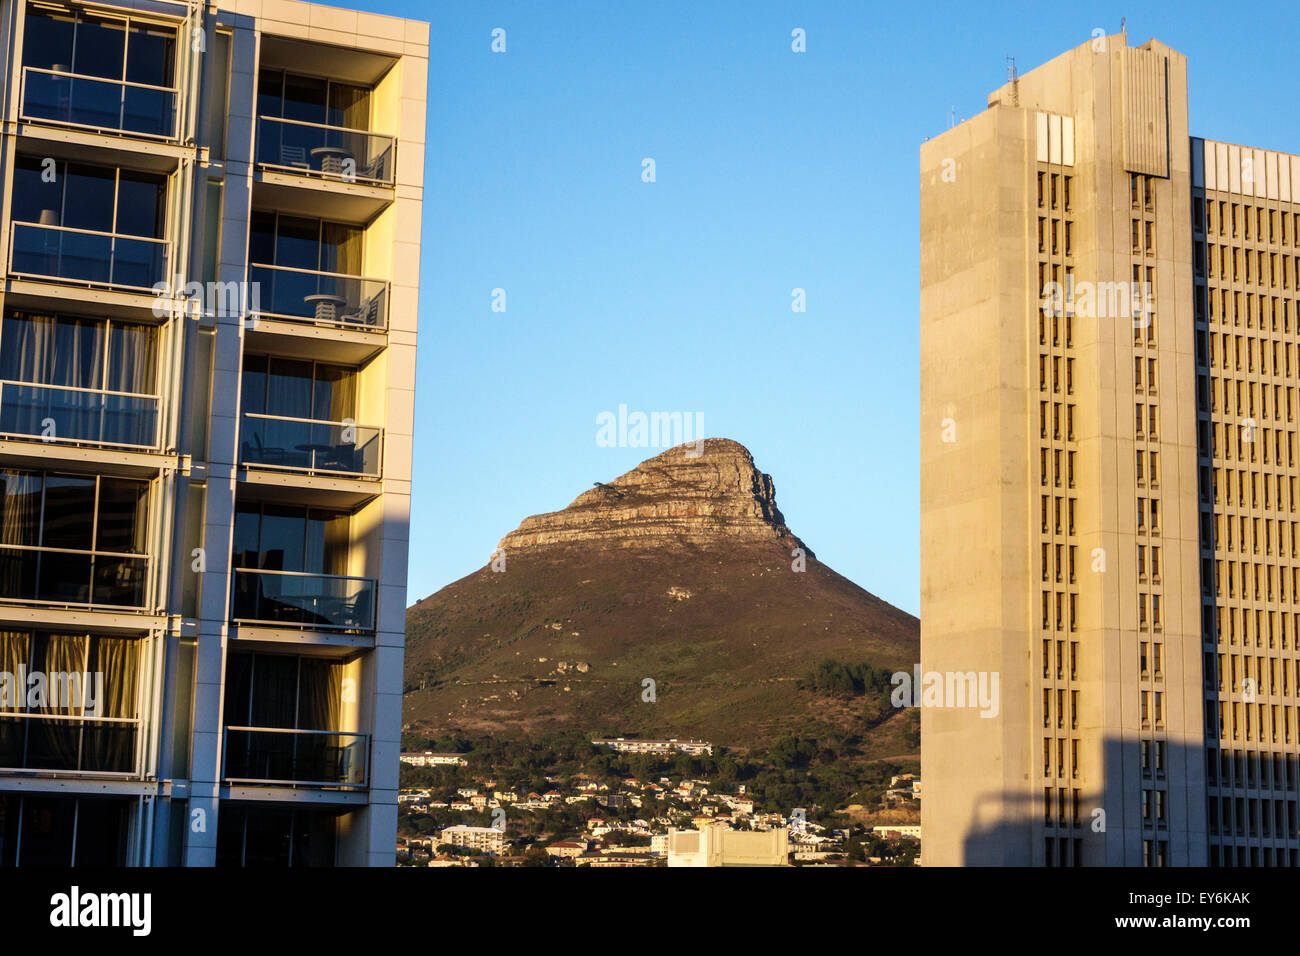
x: 688, y: 497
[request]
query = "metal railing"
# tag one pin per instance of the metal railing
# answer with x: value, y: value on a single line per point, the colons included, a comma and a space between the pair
x: 135, y: 263
x: 96, y: 103
x: 299, y: 599
x: 31, y: 574
x: 68, y: 743
x: 312, y: 758
x: 324, y: 151
x: 327, y: 298
x: 311, y: 445
x: 69, y: 414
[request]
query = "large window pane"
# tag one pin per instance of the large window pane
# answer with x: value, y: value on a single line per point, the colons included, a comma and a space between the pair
x: 20, y: 508
x: 76, y: 356
x: 151, y: 55
x: 289, y: 388
x: 34, y: 199
x: 129, y: 365
x: 101, y: 42
x: 122, y: 507
x: 88, y: 197
x: 141, y: 204
x: 47, y: 40
x: 69, y: 512
x: 297, y: 243
x: 283, y: 533
x: 304, y: 98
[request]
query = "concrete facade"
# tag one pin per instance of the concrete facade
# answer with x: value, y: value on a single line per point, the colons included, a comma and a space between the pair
x: 1064, y: 502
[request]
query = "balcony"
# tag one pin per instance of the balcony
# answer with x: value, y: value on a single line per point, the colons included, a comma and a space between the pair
x: 331, y: 602
x: 324, y: 152
x: 68, y: 577
x: 322, y: 298
x: 98, y: 104
x: 68, y: 744
x: 80, y: 416
x: 312, y: 758
x: 86, y: 257
x: 311, y: 446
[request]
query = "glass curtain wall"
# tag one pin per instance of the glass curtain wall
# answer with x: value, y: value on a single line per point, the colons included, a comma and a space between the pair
x: 76, y: 705
x: 56, y: 371
x: 73, y: 539
x: 88, y: 223
x: 99, y: 70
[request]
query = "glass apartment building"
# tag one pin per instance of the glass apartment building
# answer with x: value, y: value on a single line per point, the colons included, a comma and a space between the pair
x: 210, y: 243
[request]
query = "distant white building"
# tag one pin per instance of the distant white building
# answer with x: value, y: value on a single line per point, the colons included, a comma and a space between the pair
x: 487, y: 839
x: 430, y: 759
x: 898, y: 830
x: 637, y: 746
x: 717, y: 845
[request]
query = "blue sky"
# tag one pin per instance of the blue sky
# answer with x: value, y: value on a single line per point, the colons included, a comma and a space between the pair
x: 774, y: 170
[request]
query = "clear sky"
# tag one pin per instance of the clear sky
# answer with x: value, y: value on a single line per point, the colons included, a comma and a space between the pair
x: 774, y: 170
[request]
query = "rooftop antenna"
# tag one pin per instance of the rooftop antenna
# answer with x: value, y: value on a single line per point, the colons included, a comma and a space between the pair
x: 952, y: 116
x: 1014, y: 79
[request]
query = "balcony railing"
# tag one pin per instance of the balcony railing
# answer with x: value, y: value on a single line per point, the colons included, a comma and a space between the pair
x: 78, y: 415
x: 316, y: 758
x: 317, y: 601
x: 329, y: 152
x: 327, y: 298
x: 311, y: 445
x: 132, y: 263
x: 66, y: 576
x: 92, y: 102
x: 72, y: 744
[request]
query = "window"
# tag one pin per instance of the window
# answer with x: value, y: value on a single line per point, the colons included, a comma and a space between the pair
x: 124, y: 68
x: 73, y: 539
x: 86, y: 676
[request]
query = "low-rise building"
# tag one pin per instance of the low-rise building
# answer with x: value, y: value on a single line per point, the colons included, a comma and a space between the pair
x: 717, y: 845
x: 567, y: 849
x: 430, y: 759
x: 637, y: 746
x: 486, y: 839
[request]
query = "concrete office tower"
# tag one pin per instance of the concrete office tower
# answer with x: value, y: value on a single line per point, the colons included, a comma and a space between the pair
x: 1134, y: 593
x: 211, y: 246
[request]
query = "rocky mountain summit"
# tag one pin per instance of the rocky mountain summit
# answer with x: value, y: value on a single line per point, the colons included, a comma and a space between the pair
x: 681, y: 573
x: 699, y: 494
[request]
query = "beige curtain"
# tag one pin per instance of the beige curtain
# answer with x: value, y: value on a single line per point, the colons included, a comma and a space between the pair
x: 57, y: 743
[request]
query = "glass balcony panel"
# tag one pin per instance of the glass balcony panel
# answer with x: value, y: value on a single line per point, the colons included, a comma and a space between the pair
x: 312, y: 446
x: 78, y: 415
x: 63, y: 578
x: 323, y: 758
x: 328, y: 151
x: 56, y: 252
x: 119, y: 580
x: 320, y: 601
x: 84, y: 744
x: 325, y: 297
x: 72, y: 577
x: 103, y: 104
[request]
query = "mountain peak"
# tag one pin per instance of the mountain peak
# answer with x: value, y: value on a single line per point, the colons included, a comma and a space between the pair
x: 701, y: 494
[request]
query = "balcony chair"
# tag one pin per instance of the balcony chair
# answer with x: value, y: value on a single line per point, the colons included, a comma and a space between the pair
x: 258, y: 454
x: 367, y: 313
x: 295, y: 156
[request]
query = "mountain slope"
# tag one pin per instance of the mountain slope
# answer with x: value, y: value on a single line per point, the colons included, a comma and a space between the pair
x: 679, y: 572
